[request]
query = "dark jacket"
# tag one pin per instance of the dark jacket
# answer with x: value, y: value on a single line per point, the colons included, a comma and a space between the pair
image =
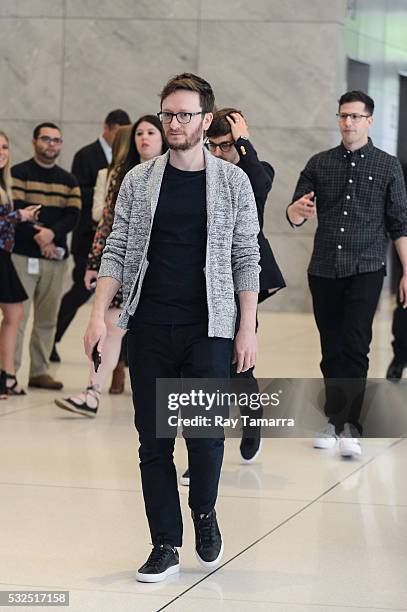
x: 261, y: 175
x: 85, y: 166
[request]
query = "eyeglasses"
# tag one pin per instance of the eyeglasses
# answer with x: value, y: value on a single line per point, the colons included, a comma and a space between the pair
x: 49, y: 140
x: 354, y: 117
x: 167, y: 117
x: 223, y: 146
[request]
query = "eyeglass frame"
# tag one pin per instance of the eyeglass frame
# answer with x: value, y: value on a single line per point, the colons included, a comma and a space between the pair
x: 49, y: 139
x: 161, y: 113
x: 357, y: 117
x: 209, y: 143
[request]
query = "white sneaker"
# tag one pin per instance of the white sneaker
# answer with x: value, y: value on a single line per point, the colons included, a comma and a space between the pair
x: 349, y: 443
x: 326, y: 438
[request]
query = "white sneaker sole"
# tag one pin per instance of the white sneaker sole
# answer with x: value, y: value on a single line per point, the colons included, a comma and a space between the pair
x: 244, y: 461
x: 70, y: 408
x: 184, y: 481
x: 174, y: 569
x: 325, y: 443
x: 351, y: 450
x: 210, y: 564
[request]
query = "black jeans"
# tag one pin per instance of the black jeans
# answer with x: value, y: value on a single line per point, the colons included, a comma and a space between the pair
x: 344, y: 309
x: 74, y: 298
x: 174, y: 351
x: 399, y: 330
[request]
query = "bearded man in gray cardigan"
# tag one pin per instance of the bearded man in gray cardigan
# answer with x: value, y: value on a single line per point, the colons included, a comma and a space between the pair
x: 184, y: 241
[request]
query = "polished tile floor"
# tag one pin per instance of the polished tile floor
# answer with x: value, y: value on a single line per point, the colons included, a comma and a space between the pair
x: 304, y: 531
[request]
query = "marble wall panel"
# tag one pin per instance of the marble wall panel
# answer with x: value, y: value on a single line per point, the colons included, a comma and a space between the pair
x: 77, y: 135
x: 288, y: 151
x: 273, y: 70
x: 134, y: 9
x: 31, y: 71
x: 31, y: 8
x: 110, y: 64
x: 273, y: 10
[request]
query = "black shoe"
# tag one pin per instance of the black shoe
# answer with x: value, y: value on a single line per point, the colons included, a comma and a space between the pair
x: 208, y: 539
x: 395, y: 370
x: 83, y: 408
x: 162, y: 562
x: 184, y: 479
x: 54, y: 357
x: 250, y: 445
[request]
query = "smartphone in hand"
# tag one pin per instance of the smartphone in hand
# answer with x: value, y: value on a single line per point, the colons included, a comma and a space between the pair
x: 96, y: 357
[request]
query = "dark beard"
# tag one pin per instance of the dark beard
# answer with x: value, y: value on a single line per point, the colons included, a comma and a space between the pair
x: 190, y: 142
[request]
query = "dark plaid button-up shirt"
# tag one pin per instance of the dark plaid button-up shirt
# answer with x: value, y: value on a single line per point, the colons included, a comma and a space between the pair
x: 360, y: 200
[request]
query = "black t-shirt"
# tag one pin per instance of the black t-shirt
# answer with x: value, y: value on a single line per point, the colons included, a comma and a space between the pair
x: 174, y: 287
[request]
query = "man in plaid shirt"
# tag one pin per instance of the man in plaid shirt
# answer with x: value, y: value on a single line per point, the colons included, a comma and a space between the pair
x: 359, y: 195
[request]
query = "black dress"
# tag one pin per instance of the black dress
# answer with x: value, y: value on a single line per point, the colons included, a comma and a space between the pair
x: 11, y: 289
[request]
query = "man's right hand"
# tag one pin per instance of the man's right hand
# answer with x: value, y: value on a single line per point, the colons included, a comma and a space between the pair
x: 301, y: 209
x: 95, y: 334
x: 49, y: 251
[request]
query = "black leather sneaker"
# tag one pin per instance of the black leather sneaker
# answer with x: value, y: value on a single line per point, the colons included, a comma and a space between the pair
x: 208, y: 539
x: 162, y: 562
x: 395, y: 370
x: 184, y: 479
x: 250, y: 445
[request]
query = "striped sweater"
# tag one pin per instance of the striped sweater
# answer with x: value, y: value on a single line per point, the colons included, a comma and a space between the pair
x: 57, y: 191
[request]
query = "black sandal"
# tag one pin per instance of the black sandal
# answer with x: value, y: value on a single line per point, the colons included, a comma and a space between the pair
x: 12, y: 389
x: 3, y: 393
x: 83, y: 408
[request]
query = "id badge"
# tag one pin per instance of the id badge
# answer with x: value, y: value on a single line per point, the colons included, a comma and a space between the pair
x: 33, y: 265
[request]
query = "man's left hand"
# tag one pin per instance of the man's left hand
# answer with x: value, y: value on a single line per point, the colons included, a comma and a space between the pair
x: 43, y: 236
x: 238, y: 126
x: 245, y: 350
x: 403, y: 290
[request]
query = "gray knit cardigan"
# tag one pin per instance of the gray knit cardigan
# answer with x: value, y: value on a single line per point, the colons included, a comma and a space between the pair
x: 232, y: 251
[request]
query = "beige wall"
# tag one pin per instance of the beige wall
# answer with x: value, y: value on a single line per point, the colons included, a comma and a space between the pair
x: 281, y: 62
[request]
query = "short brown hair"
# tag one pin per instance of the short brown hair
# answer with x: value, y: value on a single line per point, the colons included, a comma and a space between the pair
x: 191, y: 82
x: 220, y: 126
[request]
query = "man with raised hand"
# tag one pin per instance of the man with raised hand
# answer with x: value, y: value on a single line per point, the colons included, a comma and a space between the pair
x: 360, y: 198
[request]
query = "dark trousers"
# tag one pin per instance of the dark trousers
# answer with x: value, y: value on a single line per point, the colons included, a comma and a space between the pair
x: 174, y: 351
x: 344, y: 309
x: 399, y: 330
x: 74, y: 298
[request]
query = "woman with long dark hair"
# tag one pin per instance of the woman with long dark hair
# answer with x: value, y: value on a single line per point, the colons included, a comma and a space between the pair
x: 146, y: 141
